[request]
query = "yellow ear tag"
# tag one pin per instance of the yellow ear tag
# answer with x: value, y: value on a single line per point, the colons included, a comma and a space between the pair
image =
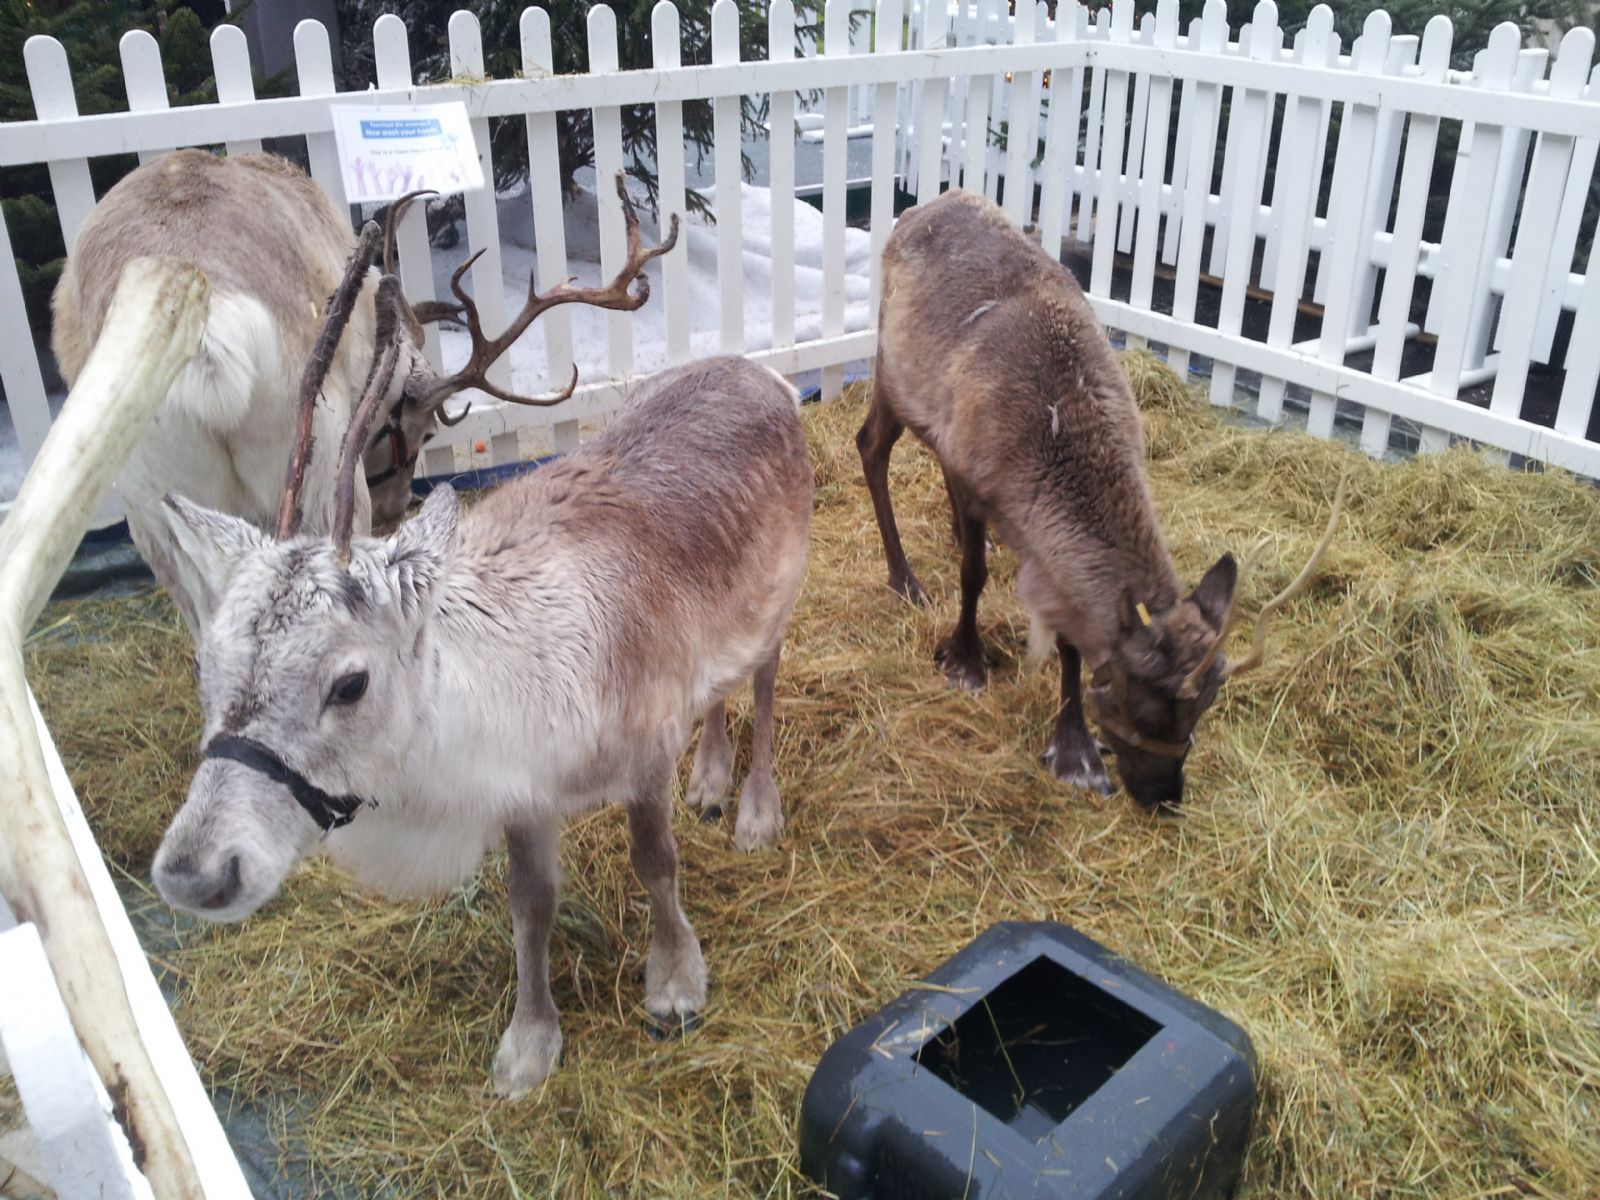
x: 1144, y: 614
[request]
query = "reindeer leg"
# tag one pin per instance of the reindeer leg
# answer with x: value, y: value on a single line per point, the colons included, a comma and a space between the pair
x: 875, y: 441
x: 532, y: 1042
x: 713, y: 765
x: 675, y: 972
x: 961, y: 654
x: 1072, y: 755
x: 760, y: 810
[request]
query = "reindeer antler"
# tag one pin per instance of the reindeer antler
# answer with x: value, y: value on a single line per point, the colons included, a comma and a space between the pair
x: 340, y: 305
x: 1258, y: 637
x: 614, y: 295
x: 388, y: 303
x: 391, y: 222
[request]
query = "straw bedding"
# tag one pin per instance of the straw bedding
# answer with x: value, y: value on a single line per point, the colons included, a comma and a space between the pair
x: 1388, y: 870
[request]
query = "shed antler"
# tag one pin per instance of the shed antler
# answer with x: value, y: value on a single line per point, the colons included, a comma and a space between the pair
x: 1258, y: 637
x: 614, y: 295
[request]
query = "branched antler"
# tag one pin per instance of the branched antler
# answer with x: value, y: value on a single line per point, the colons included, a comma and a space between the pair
x: 340, y: 306
x: 614, y: 295
x: 1258, y: 637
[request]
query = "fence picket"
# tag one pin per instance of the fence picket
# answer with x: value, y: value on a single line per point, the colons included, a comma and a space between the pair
x: 835, y: 123
x: 975, y: 128
x: 1173, y: 201
x: 391, y: 55
x: 314, y: 68
x: 1583, y: 360
x: 608, y: 160
x: 1459, y: 261
x: 19, y: 364
x: 1400, y: 274
x: 549, y: 227
x: 1091, y: 146
x: 54, y: 99
x: 144, y: 79
x: 1347, y: 248
x: 671, y: 192
x: 1294, y: 198
x: 1584, y: 153
x: 1061, y: 139
x: 230, y: 62
x: 1137, y: 128
x: 930, y: 122
x: 1018, y: 191
x: 1110, y: 191
x: 1213, y: 36
x: 887, y: 34
x: 1536, y: 227
x: 730, y: 180
x: 1153, y: 162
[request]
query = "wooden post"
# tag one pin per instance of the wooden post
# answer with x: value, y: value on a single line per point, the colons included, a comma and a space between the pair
x: 150, y: 332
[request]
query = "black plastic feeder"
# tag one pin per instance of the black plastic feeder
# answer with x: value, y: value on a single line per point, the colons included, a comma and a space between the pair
x: 1035, y: 1063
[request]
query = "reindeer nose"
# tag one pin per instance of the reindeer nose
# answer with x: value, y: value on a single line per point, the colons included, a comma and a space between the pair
x: 184, y: 884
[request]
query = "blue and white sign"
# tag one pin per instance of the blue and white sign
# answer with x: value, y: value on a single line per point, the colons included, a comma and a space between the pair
x: 385, y: 152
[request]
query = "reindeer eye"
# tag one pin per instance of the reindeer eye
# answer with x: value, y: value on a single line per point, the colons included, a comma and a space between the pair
x: 349, y: 688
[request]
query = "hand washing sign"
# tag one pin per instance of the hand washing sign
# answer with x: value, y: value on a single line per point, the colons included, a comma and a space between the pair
x: 386, y: 152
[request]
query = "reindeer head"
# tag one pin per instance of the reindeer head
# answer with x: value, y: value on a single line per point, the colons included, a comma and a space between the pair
x: 1167, y: 668
x: 315, y: 666
x: 316, y: 655
x: 414, y: 400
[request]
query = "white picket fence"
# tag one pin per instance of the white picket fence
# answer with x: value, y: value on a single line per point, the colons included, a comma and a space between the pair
x: 1133, y: 172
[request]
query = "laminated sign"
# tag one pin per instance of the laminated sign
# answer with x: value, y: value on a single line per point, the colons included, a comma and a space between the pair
x: 385, y: 152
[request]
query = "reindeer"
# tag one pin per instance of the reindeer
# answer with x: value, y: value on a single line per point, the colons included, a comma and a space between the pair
x: 989, y: 352
x: 401, y: 702
x: 274, y: 248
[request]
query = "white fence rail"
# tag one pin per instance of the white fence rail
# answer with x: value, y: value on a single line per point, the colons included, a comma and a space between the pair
x: 1229, y: 187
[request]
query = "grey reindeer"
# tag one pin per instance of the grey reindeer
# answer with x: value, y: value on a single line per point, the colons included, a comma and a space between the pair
x: 229, y: 420
x: 403, y: 702
x: 989, y: 353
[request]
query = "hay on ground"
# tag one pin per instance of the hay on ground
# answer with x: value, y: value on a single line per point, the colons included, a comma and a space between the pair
x: 1388, y: 871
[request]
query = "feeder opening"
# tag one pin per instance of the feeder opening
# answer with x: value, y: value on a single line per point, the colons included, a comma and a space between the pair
x: 1038, y: 1046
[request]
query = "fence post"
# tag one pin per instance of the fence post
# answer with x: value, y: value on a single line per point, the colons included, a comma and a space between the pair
x: 50, y: 81
x: 313, y: 62
x: 835, y: 131
x: 671, y: 196
x: 887, y: 41
x: 1116, y: 116
x: 1153, y: 161
x: 730, y: 180
x: 230, y: 61
x: 144, y: 79
x: 1213, y: 36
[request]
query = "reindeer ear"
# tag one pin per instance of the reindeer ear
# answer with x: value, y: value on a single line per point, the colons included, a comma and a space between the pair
x: 1213, y: 595
x: 208, y: 545
x: 420, y: 552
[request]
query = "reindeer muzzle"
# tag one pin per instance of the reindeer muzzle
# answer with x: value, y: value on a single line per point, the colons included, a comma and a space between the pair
x: 329, y: 812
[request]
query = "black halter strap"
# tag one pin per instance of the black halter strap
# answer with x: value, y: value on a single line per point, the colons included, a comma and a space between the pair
x: 1115, y: 724
x: 401, y: 455
x: 329, y: 812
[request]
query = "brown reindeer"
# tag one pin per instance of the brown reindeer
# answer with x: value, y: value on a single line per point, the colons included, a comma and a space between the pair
x: 990, y: 354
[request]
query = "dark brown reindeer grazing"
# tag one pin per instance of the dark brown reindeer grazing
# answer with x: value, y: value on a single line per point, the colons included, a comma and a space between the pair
x: 989, y: 353
x: 500, y: 670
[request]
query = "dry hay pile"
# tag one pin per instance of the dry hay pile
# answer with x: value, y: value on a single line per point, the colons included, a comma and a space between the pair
x: 1388, y: 871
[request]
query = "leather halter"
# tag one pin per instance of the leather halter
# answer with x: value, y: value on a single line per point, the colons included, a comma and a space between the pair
x: 329, y: 812
x: 401, y: 454
x: 1114, y: 724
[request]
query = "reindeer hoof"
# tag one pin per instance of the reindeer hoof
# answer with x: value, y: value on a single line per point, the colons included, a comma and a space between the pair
x: 909, y: 589
x: 1076, y: 770
x: 671, y: 1026
x: 965, y: 667
x: 711, y: 814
